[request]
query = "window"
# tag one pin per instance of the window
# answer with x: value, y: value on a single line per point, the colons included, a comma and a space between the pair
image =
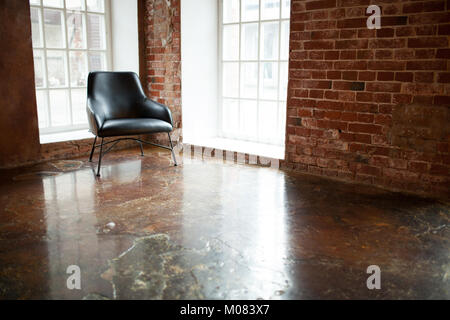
x: 254, y: 69
x: 70, y: 38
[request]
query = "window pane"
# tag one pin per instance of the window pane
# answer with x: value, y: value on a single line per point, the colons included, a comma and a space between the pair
x: 54, y: 3
x: 36, y: 27
x: 35, y: 2
x: 231, y: 42
x: 96, y: 5
x: 231, y: 79
x: 249, y: 116
x: 286, y: 9
x: 230, y: 11
x: 79, y: 106
x: 97, y: 62
x: 78, y: 68
x: 283, y: 81
x: 284, y: 50
x: 39, y: 68
x: 250, y: 10
x: 54, y: 28
x: 269, y: 81
x: 41, y: 100
x: 57, y: 74
x: 249, y: 37
x: 249, y: 80
x: 75, y: 29
x: 75, y: 4
x: 230, y: 117
x: 268, y: 121
x: 96, y: 29
x: 270, y: 9
x: 269, y: 40
x: 59, y: 107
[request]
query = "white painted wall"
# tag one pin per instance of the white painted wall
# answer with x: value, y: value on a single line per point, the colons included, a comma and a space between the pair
x: 125, y: 35
x: 199, y: 70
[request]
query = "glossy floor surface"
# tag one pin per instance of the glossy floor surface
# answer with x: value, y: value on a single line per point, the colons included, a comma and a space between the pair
x: 210, y: 229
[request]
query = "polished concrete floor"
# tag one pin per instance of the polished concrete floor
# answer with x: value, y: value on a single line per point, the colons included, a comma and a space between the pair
x: 213, y: 230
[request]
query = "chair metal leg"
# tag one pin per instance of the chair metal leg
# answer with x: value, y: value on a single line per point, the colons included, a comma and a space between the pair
x: 173, y: 153
x: 93, y: 149
x: 100, y: 159
x: 142, y: 149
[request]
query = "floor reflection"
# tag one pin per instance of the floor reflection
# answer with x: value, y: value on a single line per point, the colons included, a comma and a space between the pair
x: 212, y: 230
x: 244, y: 214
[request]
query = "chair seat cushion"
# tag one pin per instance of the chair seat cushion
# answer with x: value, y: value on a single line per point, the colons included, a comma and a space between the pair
x: 125, y: 127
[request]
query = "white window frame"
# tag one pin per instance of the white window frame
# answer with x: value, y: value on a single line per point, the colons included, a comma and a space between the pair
x: 49, y: 129
x: 221, y: 133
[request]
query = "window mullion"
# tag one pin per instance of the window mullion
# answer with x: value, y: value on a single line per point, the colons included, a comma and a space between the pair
x: 86, y: 36
x: 279, y: 71
x: 69, y: 76
x: 219, y: 117
x: 259, y: 75
x: 44, y: 47
x: 239, y: 71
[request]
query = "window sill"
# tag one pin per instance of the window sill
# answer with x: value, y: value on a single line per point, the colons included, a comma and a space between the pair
x: 246, y: 147
x: 65, y: 136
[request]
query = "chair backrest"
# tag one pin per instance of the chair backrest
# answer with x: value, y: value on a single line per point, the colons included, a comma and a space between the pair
x: 116, y: 95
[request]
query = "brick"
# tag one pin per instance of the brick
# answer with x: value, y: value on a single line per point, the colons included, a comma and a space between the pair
x: 443, y: 54
x: 331, y: 55
x: 430, y: 18
x: 366, y: 75
x: 385, y: 76
x: 385, y: 33
x: 348, y: 34
x: 424, y: 77
x: 322, y: 4
x: 428, y: 42
x: 444, y: 77
x: 404, y: 31
x: 441, y: 100
x: 309, y: 45
x: 364, y: 96
x: 404, y: 76
x: 387, y: 43
x: 349, y: 75
x: 352, y: 23
x: 352, y: 44
x: 365, y: 54
x: 382, y: 97
x: 350, y: 65
x: 348, y: 55
x: 365, y: 117
x: 394, y: 21
x: 426, y: 65
x: 365, y: 128
x: 357, y: 86
x: 386, y: 65
x: 334, y: 75
x: 384, y: 54
x: 384, y: 87
x: 421, y: 167
x: 444, y: 30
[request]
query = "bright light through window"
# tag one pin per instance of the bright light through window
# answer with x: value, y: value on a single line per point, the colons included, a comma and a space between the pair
x: 255, y: 54
x: 70, y: 38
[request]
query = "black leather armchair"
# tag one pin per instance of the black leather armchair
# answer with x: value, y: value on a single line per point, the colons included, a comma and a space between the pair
x: 117, y: 106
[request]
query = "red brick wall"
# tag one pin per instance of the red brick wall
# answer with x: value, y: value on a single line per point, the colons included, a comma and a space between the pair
x: 163, y: 56
x: 371, y: 105
x: 19, y: 133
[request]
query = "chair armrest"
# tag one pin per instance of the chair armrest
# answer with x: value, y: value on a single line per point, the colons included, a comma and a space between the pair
x: 153, y: 109
x: 95, y: 120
